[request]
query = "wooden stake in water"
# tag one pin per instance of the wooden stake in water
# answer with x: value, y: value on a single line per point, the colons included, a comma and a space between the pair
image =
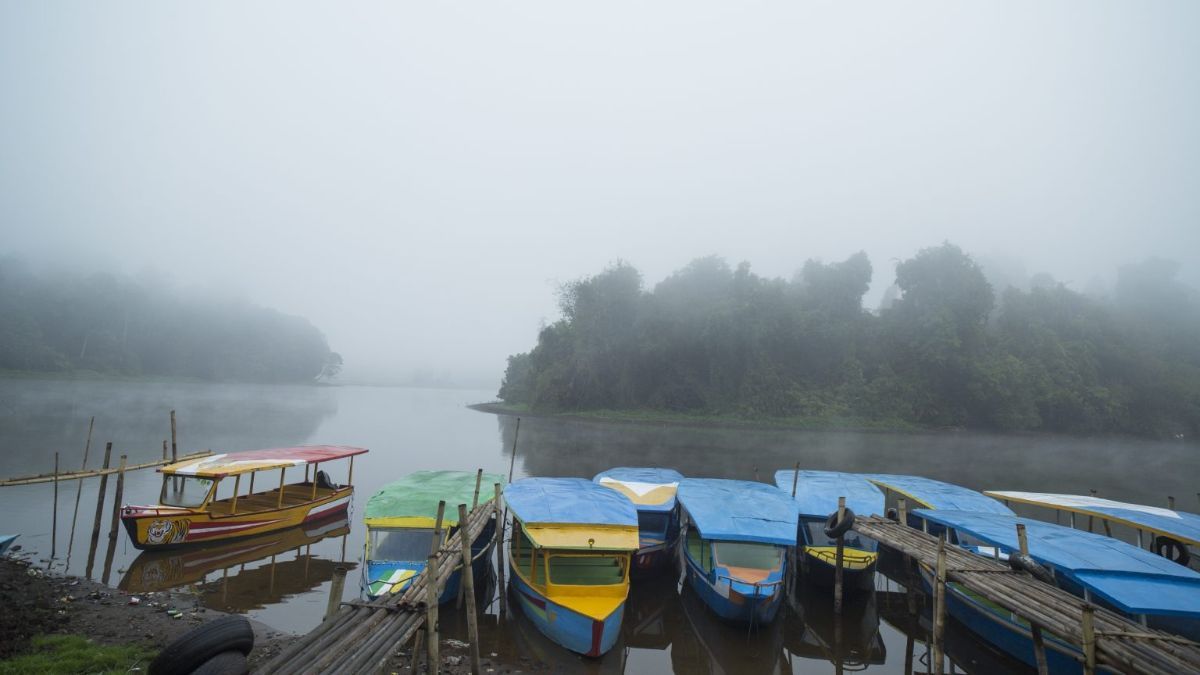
x: 79, y: 489
x: 431, y: 613
x: 116, y: 517
x: 795, y: 479
x: 478, y: 482
x: 839, y: 560
x: 1039, y: 642
x: 939, y: 607
x: 512, y: 461
x: 174, y: 440
x: 468, y: 585
x: 500, y: 516
x: 54, y: 518
x: 335, y: 591
x: 99, y: 510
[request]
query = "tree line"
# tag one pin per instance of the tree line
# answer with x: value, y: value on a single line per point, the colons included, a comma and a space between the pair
x: 119, y: 325
x: 944, y: 350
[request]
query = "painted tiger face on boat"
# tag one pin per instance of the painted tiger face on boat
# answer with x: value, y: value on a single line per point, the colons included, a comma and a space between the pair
x: 167, y: 531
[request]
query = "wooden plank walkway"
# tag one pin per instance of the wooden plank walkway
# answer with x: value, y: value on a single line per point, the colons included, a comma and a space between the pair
x: 362, y: 636
x: 73, y: 475
x: 1121, y: 643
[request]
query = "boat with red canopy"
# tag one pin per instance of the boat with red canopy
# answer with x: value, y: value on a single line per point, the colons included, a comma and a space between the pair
x: 203, y: 499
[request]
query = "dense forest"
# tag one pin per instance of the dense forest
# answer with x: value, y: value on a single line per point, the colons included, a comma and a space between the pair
x: 125, y: 326
x: 944, y: 349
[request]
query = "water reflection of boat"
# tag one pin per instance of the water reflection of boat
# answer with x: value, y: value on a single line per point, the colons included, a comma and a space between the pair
x: 652, y: 492
x: 817, y: 493
x: 710, y: 645
x: 733, y: 541
x: 851, y: 641
x: 244, y: 589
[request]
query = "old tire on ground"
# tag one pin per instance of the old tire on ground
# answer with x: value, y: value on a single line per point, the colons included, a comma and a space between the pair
x: 225, y: 663
x: 192, y: 649
x: 1172, y: 549
x: 835, y: 528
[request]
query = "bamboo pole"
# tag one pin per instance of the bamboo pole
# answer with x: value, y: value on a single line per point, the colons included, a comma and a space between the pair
x: 99, y: 510
x: 1089, y: 639
x: 512, y: 461
x: 1170, y: 502
x: 839, y: 560
x: 73, y: 475
x: 117, y: 496
x: 478, y: 484
x: 79, y: 489
x: 795, y: 479
x: 54, y: 510
x: 164, y: 449
x: 501, y: 529
x: 903, y: 511
x: 468, y: 584
x: 174, y: 440
x: 1039, y: 643
x: 335, y: 591
x: 431, y: 616
x: 939, y: 610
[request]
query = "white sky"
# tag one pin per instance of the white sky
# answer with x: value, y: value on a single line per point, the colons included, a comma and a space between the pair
x: 417, y: 178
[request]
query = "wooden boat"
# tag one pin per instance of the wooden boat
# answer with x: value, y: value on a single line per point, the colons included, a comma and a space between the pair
x: 733, y: 540
x: 401, y: 520
x: 569, y: 559
x: 817, y: 494
x: 6, y: 540
x: 652, y: 492
x: 1171, y: 532
x: 203, y: 500
x: 1110, y: 573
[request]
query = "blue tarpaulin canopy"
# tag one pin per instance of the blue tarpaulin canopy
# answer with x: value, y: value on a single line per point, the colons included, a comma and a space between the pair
x: 738, y: 510
x: 934, y: 494
x: 650, y: 489
x: 568, y: 501
x: 1179, y: 525
x: 1134, y: 580
x: 817, y: 492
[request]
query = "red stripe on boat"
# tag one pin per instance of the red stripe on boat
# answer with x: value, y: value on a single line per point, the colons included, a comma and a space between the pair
x: 541, y: 604
x: 597, y: 633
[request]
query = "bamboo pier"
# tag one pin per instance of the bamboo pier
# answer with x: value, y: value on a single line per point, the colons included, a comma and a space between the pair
x: 1106, y: 638
x: 362, y: 636
x: 74, y: 475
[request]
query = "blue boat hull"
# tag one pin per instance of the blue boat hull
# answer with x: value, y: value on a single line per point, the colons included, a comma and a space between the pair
x: 373, y: 570
x: 6, y: 540
x: 1008, y: 635
x: 735, y: 606
x: 577, y: 632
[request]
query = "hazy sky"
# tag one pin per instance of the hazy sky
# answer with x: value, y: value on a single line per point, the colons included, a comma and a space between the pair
x: 418, y: 177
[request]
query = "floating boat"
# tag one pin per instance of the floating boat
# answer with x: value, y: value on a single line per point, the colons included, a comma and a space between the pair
x: 569, y: 559
x: 652, y: 492
x: 817, y: 494
x: 401, y: 519
x: 1172, y: 531
x: 935, y: 494
x: 195, y: 506
x: 6, y: 540
x: 734, y: 536
x: 1121, y: 577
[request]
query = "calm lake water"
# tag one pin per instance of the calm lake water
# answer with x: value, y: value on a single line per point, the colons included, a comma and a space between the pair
x: 284, y: 580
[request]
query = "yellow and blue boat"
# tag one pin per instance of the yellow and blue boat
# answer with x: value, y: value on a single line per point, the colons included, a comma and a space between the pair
x: 652, y: 492
x: 401, y: 519
x: 817, y: 494
x: 569, y: 559
x: 734, y: 536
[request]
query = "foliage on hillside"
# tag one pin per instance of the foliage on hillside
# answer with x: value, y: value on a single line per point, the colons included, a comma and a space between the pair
x: 119, y: 325
x: 945, y: 352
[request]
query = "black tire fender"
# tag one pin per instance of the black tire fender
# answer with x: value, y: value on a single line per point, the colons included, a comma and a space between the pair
x: 893, y: 515
x: 1172, y: 549
x: 191, y: 650
x: 835, y: 528
x: 1024, y: 563
x: 225, y: 663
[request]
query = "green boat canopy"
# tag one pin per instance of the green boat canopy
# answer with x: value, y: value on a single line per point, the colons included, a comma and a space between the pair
x: 413, y: 500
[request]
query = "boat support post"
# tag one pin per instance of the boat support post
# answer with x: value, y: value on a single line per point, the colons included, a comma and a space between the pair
x: 1089, y: 639
x: 431, y: 610
x: 1039, y: 643
x: 237, y: 487
x: 939, y: 607
x: 500, y: 549
x: 279, y: 502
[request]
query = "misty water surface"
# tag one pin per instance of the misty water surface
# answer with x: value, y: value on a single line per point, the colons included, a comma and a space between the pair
x: 285, y: 584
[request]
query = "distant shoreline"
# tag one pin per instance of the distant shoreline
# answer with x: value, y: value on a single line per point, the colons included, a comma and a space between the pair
x: 95, y: 376
x: 666, y: 419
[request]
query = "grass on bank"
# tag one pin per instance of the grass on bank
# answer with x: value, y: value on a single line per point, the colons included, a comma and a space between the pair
x: 69, y: 654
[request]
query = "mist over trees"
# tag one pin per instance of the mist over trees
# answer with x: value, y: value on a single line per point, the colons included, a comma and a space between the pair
x: 946, y: 350
x: 119, y: 325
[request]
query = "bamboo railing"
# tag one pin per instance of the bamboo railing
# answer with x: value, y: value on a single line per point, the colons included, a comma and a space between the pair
x: 73, y: 475
x: 1116, y: 642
